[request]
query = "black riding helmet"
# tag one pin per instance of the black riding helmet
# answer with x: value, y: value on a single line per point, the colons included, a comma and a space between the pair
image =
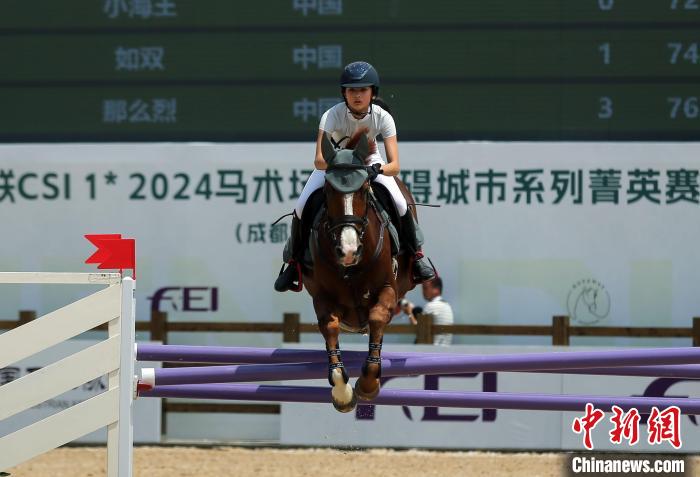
x: 358, y: 74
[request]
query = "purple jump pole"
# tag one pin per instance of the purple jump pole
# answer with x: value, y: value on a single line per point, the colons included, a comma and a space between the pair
x: 242, y: 355
x: 495, y: 362
x: 408, y: 367
x: 398, y: 397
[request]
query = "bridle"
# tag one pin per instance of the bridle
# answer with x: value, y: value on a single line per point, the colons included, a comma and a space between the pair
x: 333, y: 226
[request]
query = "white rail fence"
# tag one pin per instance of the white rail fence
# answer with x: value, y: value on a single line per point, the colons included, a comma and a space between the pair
x: 114, y: 357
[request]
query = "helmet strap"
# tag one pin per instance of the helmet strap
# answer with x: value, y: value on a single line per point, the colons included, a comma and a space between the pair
x: 345, y: 100
x: 354, y: 114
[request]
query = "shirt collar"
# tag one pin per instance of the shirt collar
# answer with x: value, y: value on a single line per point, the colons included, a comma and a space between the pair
x: 353, y: 118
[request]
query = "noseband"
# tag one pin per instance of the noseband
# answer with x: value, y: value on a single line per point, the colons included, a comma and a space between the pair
x: 333, y: 225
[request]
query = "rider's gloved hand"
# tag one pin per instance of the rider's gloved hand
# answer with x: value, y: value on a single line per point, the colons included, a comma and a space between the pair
x: 374, y: 170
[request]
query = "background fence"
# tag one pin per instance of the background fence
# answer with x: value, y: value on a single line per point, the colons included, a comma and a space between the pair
x: 291, y: 329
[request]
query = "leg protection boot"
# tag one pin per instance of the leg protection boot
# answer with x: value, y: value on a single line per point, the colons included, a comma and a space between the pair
x: 412, y: 238
x: 290, y: 276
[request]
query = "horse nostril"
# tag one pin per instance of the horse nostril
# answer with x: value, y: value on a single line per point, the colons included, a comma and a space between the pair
x: 359, y: 251
x: 339, y: 252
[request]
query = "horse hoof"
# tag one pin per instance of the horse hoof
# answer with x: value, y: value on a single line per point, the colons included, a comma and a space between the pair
x: 345, y: 407
x: 363, y: 395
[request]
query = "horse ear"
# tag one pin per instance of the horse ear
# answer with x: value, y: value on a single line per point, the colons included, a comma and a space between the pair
x: 327, y: 148
x: 362, y: 149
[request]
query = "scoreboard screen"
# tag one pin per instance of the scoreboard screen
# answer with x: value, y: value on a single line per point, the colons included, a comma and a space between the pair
x: 230, y: 70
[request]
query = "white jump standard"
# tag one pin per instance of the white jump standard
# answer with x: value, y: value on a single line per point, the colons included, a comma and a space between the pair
x: 113, y: 357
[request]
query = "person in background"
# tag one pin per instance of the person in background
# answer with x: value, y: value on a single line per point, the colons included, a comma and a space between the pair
x: 402, y: 311
x: 436, y: 306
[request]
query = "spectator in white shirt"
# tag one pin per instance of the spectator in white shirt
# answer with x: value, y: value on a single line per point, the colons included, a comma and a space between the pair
x: 440, y: 310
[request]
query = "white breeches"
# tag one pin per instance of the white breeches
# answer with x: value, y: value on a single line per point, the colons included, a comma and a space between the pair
x: 318, y: 178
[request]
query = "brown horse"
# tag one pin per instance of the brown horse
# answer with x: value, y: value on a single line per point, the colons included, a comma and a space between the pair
x: 355, y: 282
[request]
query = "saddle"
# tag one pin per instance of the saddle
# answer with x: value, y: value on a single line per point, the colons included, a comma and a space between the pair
x: 310, y: 219
x: 386, y: 205
x: 387, y: 209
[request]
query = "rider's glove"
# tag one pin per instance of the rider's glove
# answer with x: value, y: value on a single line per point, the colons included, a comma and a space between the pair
x: 374, y: 170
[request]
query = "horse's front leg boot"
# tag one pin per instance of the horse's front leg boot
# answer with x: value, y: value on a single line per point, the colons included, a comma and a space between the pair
x: 344, y: 398
x: 367, y: 387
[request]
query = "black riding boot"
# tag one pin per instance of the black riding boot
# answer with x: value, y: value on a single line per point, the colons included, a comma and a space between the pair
x: 289, y: 278
x: 412, y: 237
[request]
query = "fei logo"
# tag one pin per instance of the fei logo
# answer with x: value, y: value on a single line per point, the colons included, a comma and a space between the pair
x: 186, y: 298
x: 365, y: 412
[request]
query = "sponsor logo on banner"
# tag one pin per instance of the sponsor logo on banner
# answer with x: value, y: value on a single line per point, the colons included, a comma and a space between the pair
x: 431, y: 383
x: 588, y: 302
x: 186, y: 298
x: 659, y: 387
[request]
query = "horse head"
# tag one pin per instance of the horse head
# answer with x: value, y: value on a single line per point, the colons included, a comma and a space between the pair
x: 347, y: 202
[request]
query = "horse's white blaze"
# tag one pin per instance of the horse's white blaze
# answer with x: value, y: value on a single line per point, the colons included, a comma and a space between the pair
x: 349, y: 241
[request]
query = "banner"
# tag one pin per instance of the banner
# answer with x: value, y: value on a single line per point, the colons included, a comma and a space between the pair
x: 603, y: 232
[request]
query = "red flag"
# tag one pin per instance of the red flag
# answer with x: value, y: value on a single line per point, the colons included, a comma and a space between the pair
x: 113, y: 251
x: 102, y: 252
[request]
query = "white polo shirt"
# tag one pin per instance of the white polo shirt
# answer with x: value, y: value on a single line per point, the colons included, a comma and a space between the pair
x: 442, y: 315
x: 341, y: 124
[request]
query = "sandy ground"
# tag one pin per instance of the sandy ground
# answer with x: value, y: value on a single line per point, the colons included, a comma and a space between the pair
x: 265, y: 462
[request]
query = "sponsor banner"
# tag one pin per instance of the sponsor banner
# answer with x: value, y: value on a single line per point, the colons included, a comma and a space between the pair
x: 146, y: 415
x: 426, y: 427
x: 602, y: 232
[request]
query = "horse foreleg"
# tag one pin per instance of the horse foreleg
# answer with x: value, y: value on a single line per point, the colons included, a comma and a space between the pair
x: 368, y: 384
x: 344, y: 399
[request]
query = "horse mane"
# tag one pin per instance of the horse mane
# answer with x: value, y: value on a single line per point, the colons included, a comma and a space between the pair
x: 355, y: 138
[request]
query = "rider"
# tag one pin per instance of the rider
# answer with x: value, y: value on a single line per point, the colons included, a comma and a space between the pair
x: 359, y: 86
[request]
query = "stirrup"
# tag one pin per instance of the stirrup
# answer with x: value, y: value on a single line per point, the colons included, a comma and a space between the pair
x: 418, y: 278
x: 288, y: 273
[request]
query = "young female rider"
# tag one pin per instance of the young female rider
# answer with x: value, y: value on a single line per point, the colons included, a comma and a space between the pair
x: 359, y: 85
